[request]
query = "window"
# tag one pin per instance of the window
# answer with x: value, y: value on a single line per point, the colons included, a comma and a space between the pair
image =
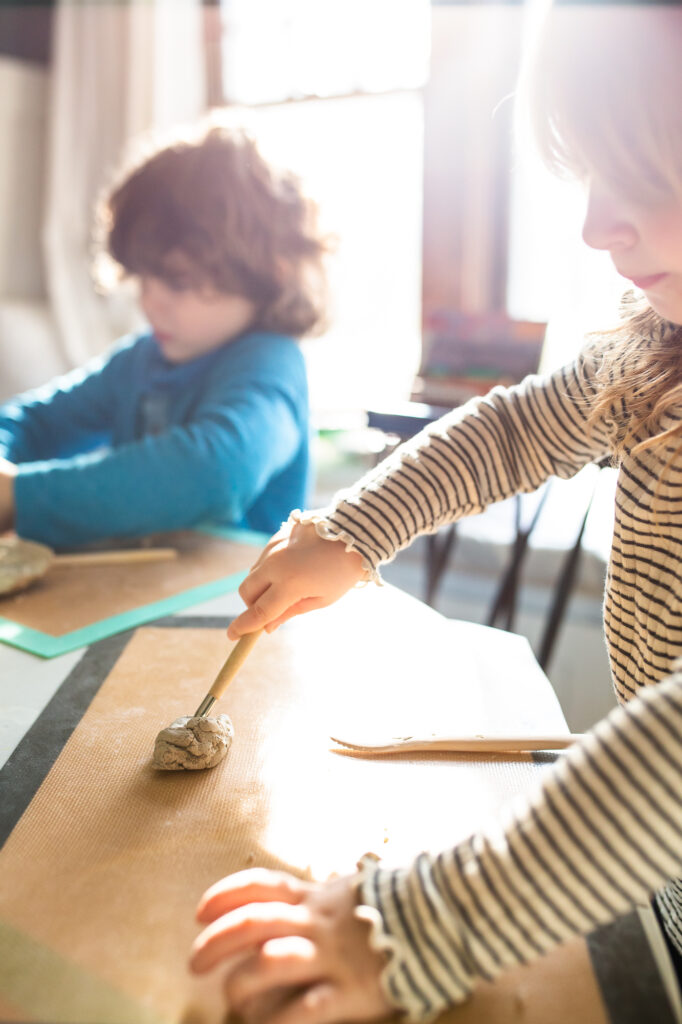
x: 332, y: 89
x: 277, y: 50
x: 335, y: 90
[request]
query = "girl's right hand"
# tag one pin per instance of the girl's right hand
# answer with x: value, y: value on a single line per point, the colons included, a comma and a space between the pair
x: 292, y: 951
x: 297, y: 572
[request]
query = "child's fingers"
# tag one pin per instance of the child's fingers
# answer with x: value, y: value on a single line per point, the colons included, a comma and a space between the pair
x: 280, y: 964
x: 260, y: 1009
x: 308, y: 604
x: 254, y: 586
x: 249, y: 621
x: 319, y: 1004
x: 257, y: 885
x: 256, y: 616
x: 246, y: 928
x: 253, y: 618
x: 240, y: 626
x: 265, y: 606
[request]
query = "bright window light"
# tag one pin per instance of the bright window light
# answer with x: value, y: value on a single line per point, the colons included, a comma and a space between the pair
x: 275, y: 50
x: 356, y: 141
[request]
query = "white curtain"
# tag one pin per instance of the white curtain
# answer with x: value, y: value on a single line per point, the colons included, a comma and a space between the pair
x: 119, y: 69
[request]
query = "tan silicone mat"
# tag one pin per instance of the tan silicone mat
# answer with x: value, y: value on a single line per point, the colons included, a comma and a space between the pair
x: 101, y: 874
x: 70, y: 598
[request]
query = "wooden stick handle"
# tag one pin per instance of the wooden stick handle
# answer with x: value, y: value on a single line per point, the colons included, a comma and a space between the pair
x: 236, y: 659
x: 126, y: 556
x: 465, y: 744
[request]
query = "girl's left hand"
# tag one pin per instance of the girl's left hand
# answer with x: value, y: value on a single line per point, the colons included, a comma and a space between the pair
x: 295, y: 952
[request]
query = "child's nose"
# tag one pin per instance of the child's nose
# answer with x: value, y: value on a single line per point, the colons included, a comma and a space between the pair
x: 606, y: 224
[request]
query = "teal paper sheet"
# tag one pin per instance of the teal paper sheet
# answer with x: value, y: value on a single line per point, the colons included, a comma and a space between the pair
x: 47, y: 646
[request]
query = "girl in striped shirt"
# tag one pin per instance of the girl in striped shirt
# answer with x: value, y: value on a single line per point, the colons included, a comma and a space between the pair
x: 603, y: 832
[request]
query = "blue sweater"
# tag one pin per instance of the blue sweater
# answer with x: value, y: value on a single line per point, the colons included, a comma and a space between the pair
x: 133, y: 444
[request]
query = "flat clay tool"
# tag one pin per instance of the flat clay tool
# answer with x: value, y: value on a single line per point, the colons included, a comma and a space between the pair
x: 236, y: 659
x: 22, y: 562
x: 461, y: 744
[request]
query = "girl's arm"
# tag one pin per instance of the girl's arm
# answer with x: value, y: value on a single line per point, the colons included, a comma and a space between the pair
x: 511, y: 440
x: 508, y: 442
x: 601, y: 834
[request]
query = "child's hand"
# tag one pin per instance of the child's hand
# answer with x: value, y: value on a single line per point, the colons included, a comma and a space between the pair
x: 295, y: 952
x: 297, y: 572
x: 8, y: 471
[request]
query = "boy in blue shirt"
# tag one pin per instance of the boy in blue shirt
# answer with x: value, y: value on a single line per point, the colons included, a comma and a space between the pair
x: 204, y: 417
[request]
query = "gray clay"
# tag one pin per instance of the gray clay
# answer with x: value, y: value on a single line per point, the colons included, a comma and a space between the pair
x: 193, y: 743
x: 21, y: 562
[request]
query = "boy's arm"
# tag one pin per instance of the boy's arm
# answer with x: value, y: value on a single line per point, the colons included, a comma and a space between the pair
x: 246, y: 428
x: 601, y: 834
x: 43, y: 423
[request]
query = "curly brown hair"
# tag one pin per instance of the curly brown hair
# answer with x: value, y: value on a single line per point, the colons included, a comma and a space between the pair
x: 243, y: 227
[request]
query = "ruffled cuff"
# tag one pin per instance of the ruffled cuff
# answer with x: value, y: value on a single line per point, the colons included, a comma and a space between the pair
x: 422, y: 978
x: 329, y: 531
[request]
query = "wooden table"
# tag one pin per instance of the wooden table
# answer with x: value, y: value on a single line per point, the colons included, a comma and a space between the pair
x: 105, y: 859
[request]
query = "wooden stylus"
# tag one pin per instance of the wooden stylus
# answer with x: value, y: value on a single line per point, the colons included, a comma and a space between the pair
x: 236, y: 659
x: 122, y: 556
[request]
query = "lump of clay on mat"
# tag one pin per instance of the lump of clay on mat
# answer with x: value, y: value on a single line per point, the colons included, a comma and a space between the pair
x: 21, y: 562
x: 193, y: 743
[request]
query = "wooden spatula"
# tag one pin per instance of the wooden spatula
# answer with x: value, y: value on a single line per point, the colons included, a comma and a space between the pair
x: 461, y: 744
x: 24, y: 561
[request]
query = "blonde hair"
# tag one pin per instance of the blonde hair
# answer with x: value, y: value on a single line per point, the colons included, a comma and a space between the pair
x: 244, y: 227
x: 605, y: 85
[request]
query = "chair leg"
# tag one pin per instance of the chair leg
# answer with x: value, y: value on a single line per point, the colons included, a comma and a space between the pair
x: 561, y: 595
x: 439, y: 547
x: 504, y: 602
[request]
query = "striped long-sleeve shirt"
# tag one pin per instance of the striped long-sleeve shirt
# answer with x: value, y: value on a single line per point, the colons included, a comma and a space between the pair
x: 604, y: 830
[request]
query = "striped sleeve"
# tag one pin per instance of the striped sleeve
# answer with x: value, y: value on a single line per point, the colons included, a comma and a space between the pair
x: 601, y: 833
x: 509, y: 441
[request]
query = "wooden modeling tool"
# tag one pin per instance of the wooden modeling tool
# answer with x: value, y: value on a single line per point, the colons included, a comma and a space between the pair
x: 462, y: 744
x: 123, y: 556
x: 24, y: 561
x: 236, y: 659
